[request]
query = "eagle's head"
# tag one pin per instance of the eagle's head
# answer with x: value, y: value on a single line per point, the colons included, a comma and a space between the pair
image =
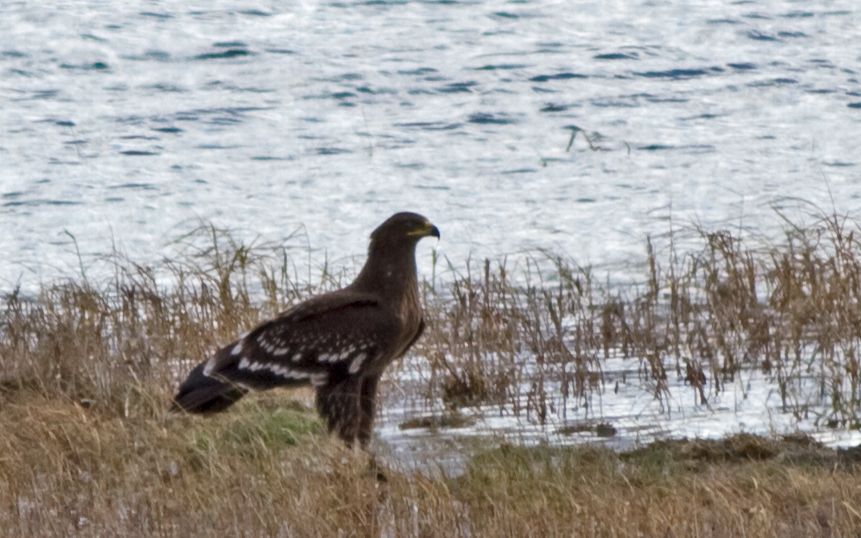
x: 403, y: 229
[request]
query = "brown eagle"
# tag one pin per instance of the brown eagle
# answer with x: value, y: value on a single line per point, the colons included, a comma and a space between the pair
x: 339, y: 342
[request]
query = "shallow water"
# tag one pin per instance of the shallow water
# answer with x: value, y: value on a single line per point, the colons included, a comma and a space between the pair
x: 125, y: 122
x: 622, y: 414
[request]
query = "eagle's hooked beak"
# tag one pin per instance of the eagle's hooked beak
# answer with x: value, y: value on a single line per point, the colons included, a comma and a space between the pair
x: 426, y: 230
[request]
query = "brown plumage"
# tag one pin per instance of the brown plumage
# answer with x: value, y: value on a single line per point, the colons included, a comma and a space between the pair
x: 339, y: 342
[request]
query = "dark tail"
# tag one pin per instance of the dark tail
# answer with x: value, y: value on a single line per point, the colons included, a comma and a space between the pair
x: 202, y: 394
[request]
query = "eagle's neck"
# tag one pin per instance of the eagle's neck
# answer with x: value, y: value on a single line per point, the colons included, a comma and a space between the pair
x: 390, y: 275
x: 390, y: 271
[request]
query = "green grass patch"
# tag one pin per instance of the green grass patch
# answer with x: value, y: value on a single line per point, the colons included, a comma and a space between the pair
x: 254, y: 430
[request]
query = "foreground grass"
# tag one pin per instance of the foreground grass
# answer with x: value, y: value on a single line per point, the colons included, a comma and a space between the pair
x: 266, y: 469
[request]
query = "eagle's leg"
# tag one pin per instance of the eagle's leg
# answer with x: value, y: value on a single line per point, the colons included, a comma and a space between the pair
x: 338, y: 403
x: 367, y: 409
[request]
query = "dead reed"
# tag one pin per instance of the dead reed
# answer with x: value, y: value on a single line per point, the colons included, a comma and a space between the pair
x: 537, y: 339
x: 529, y: 337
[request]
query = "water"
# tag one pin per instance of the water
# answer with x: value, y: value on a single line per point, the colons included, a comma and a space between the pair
x: 126, y: 123
x: 751, y: 403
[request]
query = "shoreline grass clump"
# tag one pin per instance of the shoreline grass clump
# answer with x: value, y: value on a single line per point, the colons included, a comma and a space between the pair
x: 529, y: 337
x: 536, y: 342
x: 109, y: 342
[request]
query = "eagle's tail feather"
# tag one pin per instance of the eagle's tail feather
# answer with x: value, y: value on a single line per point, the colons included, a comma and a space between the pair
x: 202, y: 394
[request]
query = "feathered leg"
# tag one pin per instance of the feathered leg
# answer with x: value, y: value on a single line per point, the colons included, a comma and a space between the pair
x: 367, y: 408
x: 338, y: 403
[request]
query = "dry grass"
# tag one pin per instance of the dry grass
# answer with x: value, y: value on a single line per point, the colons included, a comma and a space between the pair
x: 759, y: 488
x: 87, y: 368
x: 533, y: 340
x: 265, y: 470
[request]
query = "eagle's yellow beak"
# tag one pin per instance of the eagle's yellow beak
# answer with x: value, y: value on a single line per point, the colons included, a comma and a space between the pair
x: 426, y: 230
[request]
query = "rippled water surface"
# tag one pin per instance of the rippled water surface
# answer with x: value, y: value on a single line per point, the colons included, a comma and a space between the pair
x: 125, y: 122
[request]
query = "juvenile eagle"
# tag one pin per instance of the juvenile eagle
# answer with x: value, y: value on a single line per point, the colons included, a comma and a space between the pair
x: 339, y: 342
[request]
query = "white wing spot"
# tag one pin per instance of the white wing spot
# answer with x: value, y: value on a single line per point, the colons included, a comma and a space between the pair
x: 328, y: 357
x: 237, y: 349
x: 297, y: 357
x: 357, y: 362
x: 319, y: 379
x: 276, y: 369
x: 286, y: 372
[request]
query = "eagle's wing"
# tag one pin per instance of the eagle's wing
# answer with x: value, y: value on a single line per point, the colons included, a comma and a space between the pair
x: 324, y: 339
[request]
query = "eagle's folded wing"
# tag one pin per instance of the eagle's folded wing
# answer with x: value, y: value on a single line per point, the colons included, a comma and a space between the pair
x: 328, y: 337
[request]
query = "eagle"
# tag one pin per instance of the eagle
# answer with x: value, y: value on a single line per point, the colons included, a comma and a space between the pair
x: 338, y: 342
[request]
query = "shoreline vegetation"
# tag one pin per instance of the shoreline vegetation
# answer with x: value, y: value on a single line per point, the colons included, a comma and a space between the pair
x: 87, y: 368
